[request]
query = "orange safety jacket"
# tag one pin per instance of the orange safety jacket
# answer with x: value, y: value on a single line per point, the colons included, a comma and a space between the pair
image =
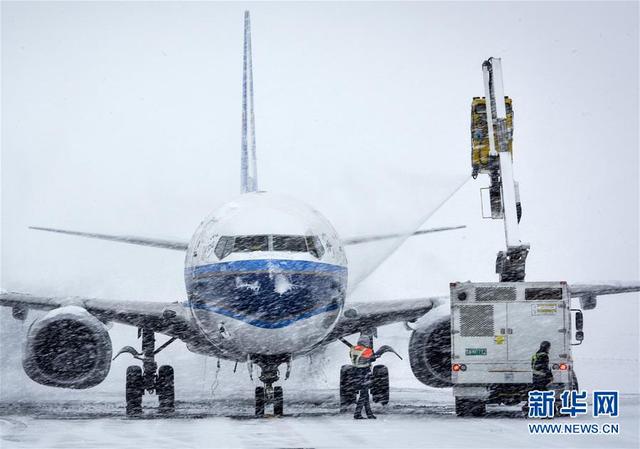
x: 361, y: 356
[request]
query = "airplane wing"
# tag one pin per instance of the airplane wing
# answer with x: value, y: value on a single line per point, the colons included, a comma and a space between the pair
x: 359, y: 316
x: 182, y: 245
x: 581, y: 290
x: 165, y: 317
x: 134, y: 240
x: 373, y: 238
x: 588, y: 293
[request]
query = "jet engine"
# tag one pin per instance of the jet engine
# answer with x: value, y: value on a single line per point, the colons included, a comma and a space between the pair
x: 430, y: 352
x: 68, y: 348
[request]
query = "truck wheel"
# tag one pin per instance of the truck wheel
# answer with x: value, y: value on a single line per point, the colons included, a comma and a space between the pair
x: 165, y: 390
x: 380, y: 384
x: 134, y: 390
x: 478, y: 408
x: 470, y: 407
x: 259, y: 402
x: 278, y: 401
x: 348, y: 388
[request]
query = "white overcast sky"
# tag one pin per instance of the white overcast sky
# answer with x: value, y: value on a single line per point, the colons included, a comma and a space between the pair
x: 125, y: 118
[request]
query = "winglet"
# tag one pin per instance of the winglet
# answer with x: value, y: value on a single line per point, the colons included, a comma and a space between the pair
x: 249, y: 173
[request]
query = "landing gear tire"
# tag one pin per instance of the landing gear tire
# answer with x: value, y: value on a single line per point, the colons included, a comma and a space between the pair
x: 470, y: 407
x: 380, y: 384
x: 134, y: 390
x: 278, y: 401
x: 165, y: 390
x: 348, y: 388
x: 260, y: 400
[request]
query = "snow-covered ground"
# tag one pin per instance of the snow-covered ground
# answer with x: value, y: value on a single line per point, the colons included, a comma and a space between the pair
x: 119, y: 118
x: 414, y: 418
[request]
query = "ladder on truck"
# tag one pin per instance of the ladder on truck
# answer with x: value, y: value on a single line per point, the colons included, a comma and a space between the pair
x: 504, y: 196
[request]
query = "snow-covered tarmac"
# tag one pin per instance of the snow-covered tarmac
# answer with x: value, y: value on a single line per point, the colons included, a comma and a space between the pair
x: 414, y: 419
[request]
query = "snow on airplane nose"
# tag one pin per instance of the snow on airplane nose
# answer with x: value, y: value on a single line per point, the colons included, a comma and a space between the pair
x: 270, y: 271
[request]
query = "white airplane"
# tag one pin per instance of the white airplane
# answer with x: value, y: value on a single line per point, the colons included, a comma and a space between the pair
x: 266, y: 281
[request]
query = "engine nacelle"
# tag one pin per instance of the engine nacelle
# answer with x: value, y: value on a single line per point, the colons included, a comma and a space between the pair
x: 68, y: 348
x: 430, y: 353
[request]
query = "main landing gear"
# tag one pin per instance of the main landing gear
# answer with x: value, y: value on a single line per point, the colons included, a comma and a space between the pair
x: 349, y: 386
x: 149, y: 377
x: 269, y: 374
x: 378, y: 378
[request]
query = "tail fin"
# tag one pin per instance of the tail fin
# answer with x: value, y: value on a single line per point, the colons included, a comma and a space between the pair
x: 249, y: 174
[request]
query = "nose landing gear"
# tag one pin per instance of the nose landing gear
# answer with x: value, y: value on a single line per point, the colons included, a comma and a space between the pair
x: 148, y: 377
x: 269, y: 374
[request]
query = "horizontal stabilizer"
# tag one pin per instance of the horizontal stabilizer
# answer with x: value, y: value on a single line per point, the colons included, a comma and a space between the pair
x: 373, y: 238
x: 134, y: 240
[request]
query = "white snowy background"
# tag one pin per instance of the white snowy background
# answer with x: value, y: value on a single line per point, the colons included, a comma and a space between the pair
x: 125, y: 118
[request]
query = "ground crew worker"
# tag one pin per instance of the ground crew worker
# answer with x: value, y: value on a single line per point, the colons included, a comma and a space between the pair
x: 362, y: 356
x: 542, y: 374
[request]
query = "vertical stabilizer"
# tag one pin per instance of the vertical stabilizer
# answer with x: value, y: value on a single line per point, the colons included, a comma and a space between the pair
x: 249, y: 175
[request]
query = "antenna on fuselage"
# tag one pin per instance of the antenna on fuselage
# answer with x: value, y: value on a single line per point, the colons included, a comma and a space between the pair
x: 249, y: 174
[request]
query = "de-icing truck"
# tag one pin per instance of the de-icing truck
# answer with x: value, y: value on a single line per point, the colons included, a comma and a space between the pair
x: 495, y: 330
x: 497, y: 327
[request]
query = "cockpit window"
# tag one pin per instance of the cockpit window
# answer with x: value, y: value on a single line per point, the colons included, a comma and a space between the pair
x: 315, y: 246
x: 296, y: 243
x: 224, y: 246
x: 250, y: 243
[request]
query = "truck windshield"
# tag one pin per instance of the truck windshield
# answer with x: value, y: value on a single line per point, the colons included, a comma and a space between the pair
x: 542, y: 294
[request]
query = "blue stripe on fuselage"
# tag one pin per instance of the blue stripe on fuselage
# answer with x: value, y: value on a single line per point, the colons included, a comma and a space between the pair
x: 269, y: 265
x: 260, y: 323
x: 317, y: 288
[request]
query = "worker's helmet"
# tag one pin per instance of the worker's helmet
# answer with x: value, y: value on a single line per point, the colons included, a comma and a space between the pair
x: 544, y: 346
x: 365, y: 340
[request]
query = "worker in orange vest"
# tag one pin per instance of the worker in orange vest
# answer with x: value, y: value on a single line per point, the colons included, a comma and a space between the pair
x: 362, y: 356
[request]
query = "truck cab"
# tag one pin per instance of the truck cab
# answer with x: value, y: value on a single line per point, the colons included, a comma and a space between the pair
x: 496, y: 328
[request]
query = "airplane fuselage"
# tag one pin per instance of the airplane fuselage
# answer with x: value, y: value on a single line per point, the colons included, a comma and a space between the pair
x: 265, y: 275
